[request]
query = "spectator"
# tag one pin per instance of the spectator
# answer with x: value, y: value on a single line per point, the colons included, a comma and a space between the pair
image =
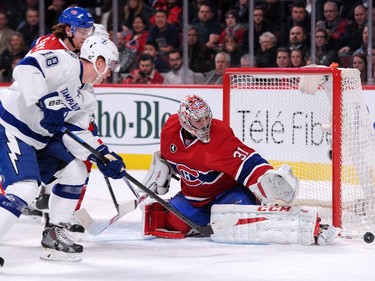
x: 145, y: 74
x: 194, y: 6
x: 200, y: 57
x: 277, y: 12
x: 297, y: 39
x: 299, y: 16
x: 360, y: 62
x: 15, y: 61
x: 140, y: 33
x: 283, y: 57
x: 232, y: 27
x: 164, y: 34
x: 245, y: 61
x: 17, y: 49
x: 53, y: 13
x: 152, y: 49
x: 177, y: 73
x: 364, y: 42
x: 354, y: 31
x: 324, y: 53
x: 136, y: 8
x: 17, y: 13
x: 334, y: 24
x: 260, y: 26
x: 242, y: 7
x: 297, y: 58
x: 231, y: 46
x: 5, y: 32
x: 208, y: 29
x: 30, y: 27
x: 127, y: 58
x: 173, y: 7
x: 266, y: 55
x: 215, y: 77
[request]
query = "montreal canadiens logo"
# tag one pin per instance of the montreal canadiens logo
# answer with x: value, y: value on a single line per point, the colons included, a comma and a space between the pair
x: 74, y: 12
x: 198, y: 105
x: 189, y: 176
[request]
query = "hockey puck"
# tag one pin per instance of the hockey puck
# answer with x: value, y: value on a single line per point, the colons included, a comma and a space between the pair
x: 1, y: 262
x: 368, y: 237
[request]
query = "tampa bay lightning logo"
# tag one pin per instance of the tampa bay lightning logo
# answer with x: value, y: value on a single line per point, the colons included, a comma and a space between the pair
x: 173, y: 148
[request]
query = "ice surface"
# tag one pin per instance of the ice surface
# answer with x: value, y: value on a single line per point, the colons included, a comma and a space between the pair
x: 121, y: 253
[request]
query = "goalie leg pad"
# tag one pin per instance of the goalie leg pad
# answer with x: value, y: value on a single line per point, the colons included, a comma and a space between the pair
x: 265, y: 224
x: 276, y: 185
x: 159, y: 222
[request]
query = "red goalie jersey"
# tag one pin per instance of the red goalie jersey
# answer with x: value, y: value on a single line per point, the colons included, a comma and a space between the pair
x: 209, y: 169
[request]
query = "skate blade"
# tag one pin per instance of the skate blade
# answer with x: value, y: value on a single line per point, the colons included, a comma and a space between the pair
x: 54, y: 255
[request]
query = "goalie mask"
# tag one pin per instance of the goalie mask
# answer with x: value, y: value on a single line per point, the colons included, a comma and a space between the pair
x: 195, y: 117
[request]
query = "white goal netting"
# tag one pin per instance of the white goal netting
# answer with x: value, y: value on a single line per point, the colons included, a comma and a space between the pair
x: 268, y: 112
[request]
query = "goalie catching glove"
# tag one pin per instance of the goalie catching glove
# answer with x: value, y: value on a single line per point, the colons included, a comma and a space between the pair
x: 276, y: 185
x: 159, y: 175
x: 114, y: 168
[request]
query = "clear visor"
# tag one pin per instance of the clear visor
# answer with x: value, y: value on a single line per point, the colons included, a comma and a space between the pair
x: 82, y: 32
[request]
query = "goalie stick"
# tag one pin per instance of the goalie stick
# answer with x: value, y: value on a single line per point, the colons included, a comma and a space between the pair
x: 204, y: 230
x: 95, y: 228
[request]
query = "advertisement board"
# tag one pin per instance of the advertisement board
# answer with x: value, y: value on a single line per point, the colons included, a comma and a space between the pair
x: 130, y: 118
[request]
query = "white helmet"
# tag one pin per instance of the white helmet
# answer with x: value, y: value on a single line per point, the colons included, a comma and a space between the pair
x: 194, y: 110
x: 95, y: 46
x: 100, y: 30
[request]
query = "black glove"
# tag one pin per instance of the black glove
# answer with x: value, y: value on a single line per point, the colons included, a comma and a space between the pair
x: 114, y: 168
x: 53, y: 113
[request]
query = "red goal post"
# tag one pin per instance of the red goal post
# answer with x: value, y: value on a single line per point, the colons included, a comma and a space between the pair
x: 315, y: 119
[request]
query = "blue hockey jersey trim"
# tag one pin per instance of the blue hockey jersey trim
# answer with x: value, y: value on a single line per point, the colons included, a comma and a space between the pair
x: 32, y: 62
x: 22, y: 127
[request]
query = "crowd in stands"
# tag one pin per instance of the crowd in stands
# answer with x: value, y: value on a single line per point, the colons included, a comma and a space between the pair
x: 149, y: 35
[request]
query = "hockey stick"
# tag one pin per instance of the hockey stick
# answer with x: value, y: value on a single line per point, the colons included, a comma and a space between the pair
x: 93, y: 151
x: 204, y: 230
x: 95, y: 228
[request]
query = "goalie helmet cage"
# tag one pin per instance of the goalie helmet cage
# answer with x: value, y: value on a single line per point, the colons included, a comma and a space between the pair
x: 289, y: 116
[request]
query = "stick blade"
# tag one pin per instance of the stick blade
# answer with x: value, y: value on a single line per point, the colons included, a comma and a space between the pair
x: 92, y: 227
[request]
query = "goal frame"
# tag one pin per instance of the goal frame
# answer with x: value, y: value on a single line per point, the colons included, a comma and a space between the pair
x: 336, y: 119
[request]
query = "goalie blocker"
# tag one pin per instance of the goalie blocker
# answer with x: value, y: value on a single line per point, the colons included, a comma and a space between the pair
x: 245, y: 224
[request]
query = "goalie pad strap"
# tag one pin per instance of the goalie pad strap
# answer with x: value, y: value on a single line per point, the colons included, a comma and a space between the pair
x: 264, y: 224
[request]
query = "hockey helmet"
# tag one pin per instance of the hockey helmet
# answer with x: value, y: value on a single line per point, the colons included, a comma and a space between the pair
x: 100, y: 30
x: 76, y: 17
x: 195, y: 117
x: 95, y: 46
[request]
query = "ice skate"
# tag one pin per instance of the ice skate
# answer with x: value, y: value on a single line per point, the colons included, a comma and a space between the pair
x: 74, y: 230
x: 58, y: 246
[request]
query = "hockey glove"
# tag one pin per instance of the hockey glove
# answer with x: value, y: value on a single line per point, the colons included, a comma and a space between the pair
x: 114, y: 168
x: 53, y: 113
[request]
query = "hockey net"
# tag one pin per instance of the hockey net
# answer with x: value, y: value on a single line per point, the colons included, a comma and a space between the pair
x: 329, y: 143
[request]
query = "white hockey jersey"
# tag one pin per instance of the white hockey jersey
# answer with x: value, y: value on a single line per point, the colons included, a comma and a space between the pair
x: 39, y: 74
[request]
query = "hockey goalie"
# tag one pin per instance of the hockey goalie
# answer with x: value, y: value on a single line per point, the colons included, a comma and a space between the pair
x: 226, y: 184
